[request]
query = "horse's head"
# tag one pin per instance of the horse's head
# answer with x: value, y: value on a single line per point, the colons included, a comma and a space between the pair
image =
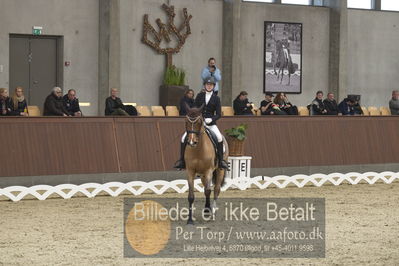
x: 194, y: 125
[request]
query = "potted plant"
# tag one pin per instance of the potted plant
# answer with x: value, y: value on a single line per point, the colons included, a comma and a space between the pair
x: 235, y: 139
x: 173, y: 87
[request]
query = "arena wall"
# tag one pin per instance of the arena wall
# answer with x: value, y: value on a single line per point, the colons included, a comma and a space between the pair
x: 138, y: 70
x: 142, y: 68
x: 315, y: 54
x: 373, y: 38
x: 68, y: 146
x: 76, y: 20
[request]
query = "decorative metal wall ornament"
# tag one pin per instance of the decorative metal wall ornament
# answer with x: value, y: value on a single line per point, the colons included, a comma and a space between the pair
x: 166, y: 32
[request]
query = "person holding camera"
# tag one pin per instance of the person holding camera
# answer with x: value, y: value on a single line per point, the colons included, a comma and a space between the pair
x: 212, y: 71
x: 241, y: 105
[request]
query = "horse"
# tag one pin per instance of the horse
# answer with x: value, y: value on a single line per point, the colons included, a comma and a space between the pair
x: 200, y: 158
x: 283, y: 61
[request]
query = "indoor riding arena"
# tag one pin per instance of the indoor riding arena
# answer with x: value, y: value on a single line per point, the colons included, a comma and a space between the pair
x: 188, y: 132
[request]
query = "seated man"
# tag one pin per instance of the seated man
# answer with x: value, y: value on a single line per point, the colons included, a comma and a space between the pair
x: 317, y: 107
x: 114, y: 105
x: 71, y: 103
x: 266, y: 106
x: 331, y: 105
x: 394, y: 103
x: 241, y: 105
x: 346, y: 107
x: 54, y: 105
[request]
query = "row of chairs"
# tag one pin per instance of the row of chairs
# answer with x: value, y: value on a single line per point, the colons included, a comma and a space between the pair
x: 226, y: 111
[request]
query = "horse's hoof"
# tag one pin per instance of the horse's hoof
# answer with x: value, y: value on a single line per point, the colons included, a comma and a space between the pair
x: 190, y: 222
x: 207, y: 212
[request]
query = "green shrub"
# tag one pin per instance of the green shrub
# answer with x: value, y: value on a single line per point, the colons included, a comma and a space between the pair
x: 174, y: 76
x: 237, y: 132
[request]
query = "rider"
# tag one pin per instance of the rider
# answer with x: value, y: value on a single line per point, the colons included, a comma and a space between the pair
x: 211, y: 112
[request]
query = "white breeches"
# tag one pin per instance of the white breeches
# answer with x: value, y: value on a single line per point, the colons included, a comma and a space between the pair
x: 213, y: 128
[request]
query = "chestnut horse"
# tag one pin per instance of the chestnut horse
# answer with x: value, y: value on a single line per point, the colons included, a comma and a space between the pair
x: 200, y: 160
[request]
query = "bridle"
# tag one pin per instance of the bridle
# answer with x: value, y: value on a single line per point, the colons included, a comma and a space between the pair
x: 192, y: 122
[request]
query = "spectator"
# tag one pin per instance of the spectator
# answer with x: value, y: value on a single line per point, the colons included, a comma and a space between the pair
x: 71, y: 103
x: 394, y: 103
x: 17, y: 104
x: 188, y: 99
x: 346, y: 107
x: 331, y: 105
x: 241, y: 105
x: 212, y: 71
x: 4, y: 102
x: 266, y: 106
x: 54, y: 105
x: 317, y: 106
x: 283, y: 106
x: 114, y: 106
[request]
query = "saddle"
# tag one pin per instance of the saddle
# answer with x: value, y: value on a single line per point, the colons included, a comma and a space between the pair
x: 214, y: 141
x: 212, y: 137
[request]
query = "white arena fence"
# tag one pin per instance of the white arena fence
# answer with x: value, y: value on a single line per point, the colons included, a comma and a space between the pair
x: 90, y: 190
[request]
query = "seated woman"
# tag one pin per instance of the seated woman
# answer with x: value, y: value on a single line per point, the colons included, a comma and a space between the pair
x: 241, y: 105
x: 4, y: 102
x: 188, y: 99
x: 17, y: 103
x: 283, y: 106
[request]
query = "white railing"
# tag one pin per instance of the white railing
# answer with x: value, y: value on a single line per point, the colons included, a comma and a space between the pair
x: 90, y: 190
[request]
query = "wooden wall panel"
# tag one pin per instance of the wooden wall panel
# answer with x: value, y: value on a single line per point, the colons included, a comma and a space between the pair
x: 139, y: 145
x: 52, y: 146
x: 55, y: 146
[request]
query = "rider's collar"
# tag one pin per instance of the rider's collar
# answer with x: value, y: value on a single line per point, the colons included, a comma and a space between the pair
x: 208, y: 92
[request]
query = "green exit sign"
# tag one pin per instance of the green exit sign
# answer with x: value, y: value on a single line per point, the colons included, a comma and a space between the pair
x: 37, y: 30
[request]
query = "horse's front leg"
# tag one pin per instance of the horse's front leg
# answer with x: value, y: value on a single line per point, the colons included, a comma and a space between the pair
x: 207, y: 192
x: 289, y: 79
x: 218, y: 185
x: 282, y: 75
x: 191, y: 176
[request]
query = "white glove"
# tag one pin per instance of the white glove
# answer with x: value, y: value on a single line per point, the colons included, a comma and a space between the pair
x: 208, y: 120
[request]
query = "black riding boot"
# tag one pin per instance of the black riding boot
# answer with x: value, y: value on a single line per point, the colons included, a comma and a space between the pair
x: 222, y: 163
x: 181, y: 164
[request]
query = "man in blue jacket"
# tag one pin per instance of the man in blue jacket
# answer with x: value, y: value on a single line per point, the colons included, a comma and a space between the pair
x: 212, y: 71
x: 346, y: 107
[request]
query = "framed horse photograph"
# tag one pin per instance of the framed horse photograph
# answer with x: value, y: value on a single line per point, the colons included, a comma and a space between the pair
x: 283, y: 57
